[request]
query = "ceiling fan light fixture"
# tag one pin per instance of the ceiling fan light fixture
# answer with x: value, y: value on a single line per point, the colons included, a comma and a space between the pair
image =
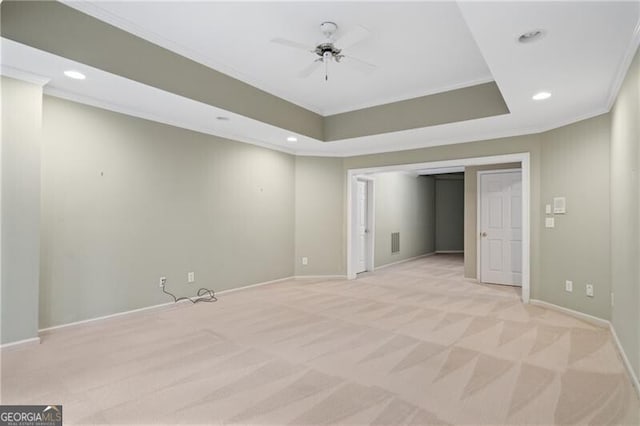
x: 331, y: 49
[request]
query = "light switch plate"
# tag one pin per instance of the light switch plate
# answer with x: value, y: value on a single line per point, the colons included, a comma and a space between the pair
x: 589, y: 288
x: 559, y: 205
x: 568, y: 286
x: 305, y: 260
x: 549, y: 222
x: 191, y: 277
x: 547, y: 209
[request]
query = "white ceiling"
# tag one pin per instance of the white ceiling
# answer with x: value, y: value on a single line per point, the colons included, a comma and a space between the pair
x: 581, y: 60
x: 419, y: 48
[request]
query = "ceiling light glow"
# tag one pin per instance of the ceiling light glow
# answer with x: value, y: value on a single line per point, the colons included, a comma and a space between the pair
x: 540, y: 96
x: 292, y: 139
x: 76, y: 75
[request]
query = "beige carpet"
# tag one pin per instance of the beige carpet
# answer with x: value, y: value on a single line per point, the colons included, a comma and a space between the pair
x: 410, y: 344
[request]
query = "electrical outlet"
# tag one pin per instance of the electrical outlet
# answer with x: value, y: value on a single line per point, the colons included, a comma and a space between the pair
x: 589, y: 288
x: 305, y: 260
x: 191, y: 277
x: 549, y: 222
x: 568, y: 286
x: 163, y: 281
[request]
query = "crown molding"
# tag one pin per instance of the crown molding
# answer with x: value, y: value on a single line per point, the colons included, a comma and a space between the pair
x: 623, y: 67
x: 86, y: 100
x: 19, y: 74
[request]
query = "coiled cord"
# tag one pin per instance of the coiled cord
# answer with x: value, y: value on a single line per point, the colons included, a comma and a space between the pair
x: 203, y: 295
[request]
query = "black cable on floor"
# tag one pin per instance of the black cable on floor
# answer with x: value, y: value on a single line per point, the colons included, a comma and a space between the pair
x: 203, y: 295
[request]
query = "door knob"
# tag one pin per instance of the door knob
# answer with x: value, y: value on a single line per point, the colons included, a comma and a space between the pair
x: 483, y: 234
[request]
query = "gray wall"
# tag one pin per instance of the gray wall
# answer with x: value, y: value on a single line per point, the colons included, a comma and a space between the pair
x: 625, y: 214
x: 575, y: 165
x: 403, y: 203
x: 126, y: 201
x: 319, y: 218
x: 471, y: 214
x: 449, y: 226
x: 20, y: 226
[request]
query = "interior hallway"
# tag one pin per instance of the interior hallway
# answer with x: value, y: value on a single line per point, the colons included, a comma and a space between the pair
x: 413, y: 343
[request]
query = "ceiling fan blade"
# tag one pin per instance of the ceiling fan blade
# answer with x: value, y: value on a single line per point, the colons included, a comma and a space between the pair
x: 291, y: 43
x: 353, y: 37
x: 306, y: 72
x: 359, y: 64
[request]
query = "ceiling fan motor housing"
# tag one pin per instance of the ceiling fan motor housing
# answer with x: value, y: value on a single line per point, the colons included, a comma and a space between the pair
x: 328, y: 50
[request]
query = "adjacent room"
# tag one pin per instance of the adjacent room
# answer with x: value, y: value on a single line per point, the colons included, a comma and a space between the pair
x: 353, y: 213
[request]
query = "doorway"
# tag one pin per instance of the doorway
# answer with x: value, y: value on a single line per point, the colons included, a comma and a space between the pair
x: 364, y: 224
x: 500, y: 227
x: 352, y: 246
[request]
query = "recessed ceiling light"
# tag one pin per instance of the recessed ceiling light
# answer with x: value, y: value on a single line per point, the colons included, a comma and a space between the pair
x: 540, y: 96
x: 292, y: 139
x: 531, y: 36
x: 222, y: 118
x: 76, y: 75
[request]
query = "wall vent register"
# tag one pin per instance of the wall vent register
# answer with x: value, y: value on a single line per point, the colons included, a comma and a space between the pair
x: 395, y: 242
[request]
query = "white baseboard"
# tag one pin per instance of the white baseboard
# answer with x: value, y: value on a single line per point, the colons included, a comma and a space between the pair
x: 625, y: 360
x: 404, y: 260
x: 576, y: 314
x: 449, y: 251
x: 315, y: 277
x: 106, y: 317
x: 20, y: 344
x: 153, y: 307
x: 246, y: 287
x: 602, y: 323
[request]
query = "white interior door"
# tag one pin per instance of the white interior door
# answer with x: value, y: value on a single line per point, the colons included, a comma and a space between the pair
x: 362, y: 216
x: 501, y: 227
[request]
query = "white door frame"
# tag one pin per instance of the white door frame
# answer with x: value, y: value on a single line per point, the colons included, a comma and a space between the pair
x: 523, y: 158
x: 371, y: 219
x: 478, y: 213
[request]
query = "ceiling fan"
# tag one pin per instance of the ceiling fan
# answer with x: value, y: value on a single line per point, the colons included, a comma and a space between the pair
x: 328, y: 50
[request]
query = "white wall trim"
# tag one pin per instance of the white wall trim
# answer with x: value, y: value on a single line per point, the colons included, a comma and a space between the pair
x: 109, y: 106
x: 623, y: 68
x: 247, y: 287
x: 600, y: 323
x: 106, y: 317
x: 154, y: 307
x: 316, y: 277
x: 20, y: 344
x: 576, y: 314
x: 523, y: 158
x: 386, y: 265
x: 19, y: 74
x: 625, y: 359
